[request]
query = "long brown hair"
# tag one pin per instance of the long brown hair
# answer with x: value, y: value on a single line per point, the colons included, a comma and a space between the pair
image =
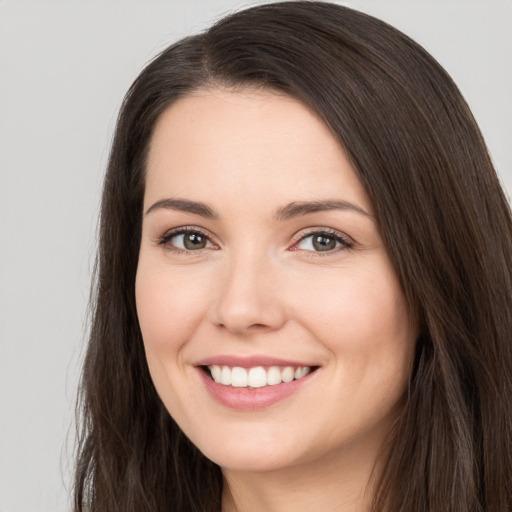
x: 442, y: 214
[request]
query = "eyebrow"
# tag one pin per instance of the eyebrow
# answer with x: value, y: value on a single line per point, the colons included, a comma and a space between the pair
x: 299, y: 208
x: 184, y: 205
x: 294, y: 209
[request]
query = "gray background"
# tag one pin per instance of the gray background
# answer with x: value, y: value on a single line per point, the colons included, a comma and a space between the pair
x: 64, y: 68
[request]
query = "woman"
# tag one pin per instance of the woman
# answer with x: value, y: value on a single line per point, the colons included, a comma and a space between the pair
x: 304, y: 289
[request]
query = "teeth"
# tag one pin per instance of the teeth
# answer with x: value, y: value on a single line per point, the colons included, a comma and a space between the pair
x: 301, y: 372
x: 256, y: 377
x: 238, y: 377
x: 225, y: 376
x: 216, y: 373
x: 273, y: 376
x: 288, y: 374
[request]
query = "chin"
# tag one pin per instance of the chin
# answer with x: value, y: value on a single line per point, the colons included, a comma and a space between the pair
x: 250, y: 460
x: 251, y: 453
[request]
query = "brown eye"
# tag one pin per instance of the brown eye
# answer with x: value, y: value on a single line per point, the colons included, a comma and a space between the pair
x: 187, y: 241
x: 193, y: 241
x: 323, y: 242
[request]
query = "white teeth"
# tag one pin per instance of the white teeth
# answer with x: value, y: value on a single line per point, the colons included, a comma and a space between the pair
x: 238, y: 377
x: 225, y: 376
x: 302, y: 372
x: 216, y: 373
x: 288, y: 374
x: 273, y: 376
x: 256, y: 377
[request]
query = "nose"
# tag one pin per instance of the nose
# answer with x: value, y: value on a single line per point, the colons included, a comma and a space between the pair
x: 248, y: 298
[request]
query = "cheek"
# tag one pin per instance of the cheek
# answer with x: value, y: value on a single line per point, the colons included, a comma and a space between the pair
x: 169, y: 306
x: 169, y: 309
x: 365, y: 325
x: 356, y: 304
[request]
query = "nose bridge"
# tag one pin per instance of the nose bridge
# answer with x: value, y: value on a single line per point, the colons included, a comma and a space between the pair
x: 247, y: 297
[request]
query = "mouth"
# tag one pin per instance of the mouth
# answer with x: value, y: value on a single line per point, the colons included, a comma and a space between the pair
x: 252, y: 383
x: 257, y: 376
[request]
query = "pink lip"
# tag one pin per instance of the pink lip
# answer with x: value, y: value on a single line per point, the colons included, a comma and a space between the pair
x: 250, y: 399
x: 249, y: 361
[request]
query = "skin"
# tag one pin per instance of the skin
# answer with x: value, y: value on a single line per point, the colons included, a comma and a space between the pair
x: 259, y: 287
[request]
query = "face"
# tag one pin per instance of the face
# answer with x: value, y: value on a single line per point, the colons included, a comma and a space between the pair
x: 275, y: 329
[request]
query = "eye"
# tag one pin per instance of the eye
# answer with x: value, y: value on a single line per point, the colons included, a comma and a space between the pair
x: 186, y: 240
x: 322, y: 241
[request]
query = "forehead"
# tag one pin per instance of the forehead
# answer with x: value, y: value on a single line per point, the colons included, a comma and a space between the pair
x: 215, y: 142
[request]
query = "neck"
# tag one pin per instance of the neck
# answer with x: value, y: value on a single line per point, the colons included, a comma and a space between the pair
x: 341, y: 481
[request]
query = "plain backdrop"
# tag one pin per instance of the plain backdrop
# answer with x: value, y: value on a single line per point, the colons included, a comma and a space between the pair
x: 64, y: 68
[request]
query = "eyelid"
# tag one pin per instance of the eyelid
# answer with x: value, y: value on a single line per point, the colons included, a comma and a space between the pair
x: 183, y: 230
x: 347, y: 243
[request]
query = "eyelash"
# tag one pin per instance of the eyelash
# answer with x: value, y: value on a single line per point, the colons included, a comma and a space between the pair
x: 345, y: 242
x: 169, y: 235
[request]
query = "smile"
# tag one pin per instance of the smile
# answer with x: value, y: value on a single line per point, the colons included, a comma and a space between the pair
x: 256, y: 377
x: 253, y: 383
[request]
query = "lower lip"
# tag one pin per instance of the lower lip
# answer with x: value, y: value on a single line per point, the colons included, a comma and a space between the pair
x: 251, y: 399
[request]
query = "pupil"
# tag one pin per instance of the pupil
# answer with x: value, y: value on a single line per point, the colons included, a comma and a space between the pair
x: 194, y: 241
x: 324, y: 243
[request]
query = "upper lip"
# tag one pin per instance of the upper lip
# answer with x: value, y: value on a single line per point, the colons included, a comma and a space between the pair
x: 250, y: 361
